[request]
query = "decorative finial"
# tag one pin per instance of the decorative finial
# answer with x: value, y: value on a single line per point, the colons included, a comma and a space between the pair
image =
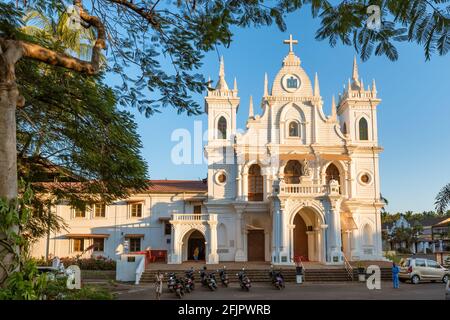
x: 222, y: 68
x: 222, y: 84
x: 333, y: 108
x: 355, y: 70
x: 316, y: 86
x: 362, y: 84
x: 291, y: 42
x: 266, y: 85
x: 235, y: 85
x: 374, y: 88
x: 250, y: 108
x: 349, y: 85
x: 209, y: 82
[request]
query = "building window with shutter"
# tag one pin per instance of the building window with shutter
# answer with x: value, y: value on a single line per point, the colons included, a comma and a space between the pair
x: 136, y: 210
x: 100, y: 210
x: 79, y: 213
x: 78, y: 244
x: 135, y: 244
x: 99, y: 244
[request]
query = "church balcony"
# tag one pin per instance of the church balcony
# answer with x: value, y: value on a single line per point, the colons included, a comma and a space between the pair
x: 309, y: 189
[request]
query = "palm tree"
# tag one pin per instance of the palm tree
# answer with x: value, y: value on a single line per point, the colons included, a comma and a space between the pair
x: 443, y: 199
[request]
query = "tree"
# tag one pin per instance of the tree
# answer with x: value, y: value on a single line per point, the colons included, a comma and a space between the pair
x: 443, y: 199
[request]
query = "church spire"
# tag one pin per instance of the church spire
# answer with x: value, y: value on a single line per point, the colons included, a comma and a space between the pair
x: 316, y: 86
x: 266, y: 85
x: 222, y: 84
x: 250, y: 108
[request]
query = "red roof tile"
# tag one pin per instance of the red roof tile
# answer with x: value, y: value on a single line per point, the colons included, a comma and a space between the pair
x: 168, y: 186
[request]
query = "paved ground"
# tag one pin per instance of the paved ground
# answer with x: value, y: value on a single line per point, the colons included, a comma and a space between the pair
x: 305, y: 291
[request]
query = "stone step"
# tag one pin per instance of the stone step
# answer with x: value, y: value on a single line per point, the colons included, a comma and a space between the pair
x: 259, y: 275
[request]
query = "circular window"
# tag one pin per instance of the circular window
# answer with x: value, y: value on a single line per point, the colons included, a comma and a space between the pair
x: 365, y: 178
x: 221, y: 177
x: 290, y: 82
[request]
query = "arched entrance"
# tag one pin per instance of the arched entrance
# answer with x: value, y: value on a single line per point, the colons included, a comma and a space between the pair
x: 196, y: 244
x: 300, y: 238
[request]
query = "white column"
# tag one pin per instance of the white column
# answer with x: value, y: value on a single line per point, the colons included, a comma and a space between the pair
x: 334, y: 240
x: 311, y: 252
x: 291, y: 241
x: 239, y: 255
x: 245, y: 187
x: 213, y: 257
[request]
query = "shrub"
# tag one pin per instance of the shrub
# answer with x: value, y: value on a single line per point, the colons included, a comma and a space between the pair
x: 93, y: 263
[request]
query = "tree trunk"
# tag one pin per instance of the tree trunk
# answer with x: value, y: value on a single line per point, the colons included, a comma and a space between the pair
x: 10, y: 53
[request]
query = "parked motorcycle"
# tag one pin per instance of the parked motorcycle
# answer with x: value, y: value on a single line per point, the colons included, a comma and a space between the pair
x: 189, y: 281
x: 224, y: 276
x: 179, y: 288
x: 277, y: 278
x: 171, y: 282
x: 211, y: 281
x: 203, y: 276
x: 244, y: 280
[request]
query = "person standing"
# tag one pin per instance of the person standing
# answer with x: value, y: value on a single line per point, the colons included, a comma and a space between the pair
x: 196, y: 253
x: 158, y: 284
x: 395, y: 272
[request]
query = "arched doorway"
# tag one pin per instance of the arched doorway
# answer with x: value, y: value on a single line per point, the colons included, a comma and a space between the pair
x: 292, y: 172
x: 196, y: 240
x: 300, y: 238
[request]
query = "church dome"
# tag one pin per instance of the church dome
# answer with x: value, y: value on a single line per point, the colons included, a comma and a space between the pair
x: 292, y: 80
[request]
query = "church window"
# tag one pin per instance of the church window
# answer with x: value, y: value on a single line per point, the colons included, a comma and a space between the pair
x: 222, y: 178
x: 222, y: 128
x: 255, y: 183
x: 344, y: 128
x: 293, y: 129
x: 292, y: 172
x: 363, y: 129
x: 365, y: 178
x: 197, y: 209
x: 292, y: 83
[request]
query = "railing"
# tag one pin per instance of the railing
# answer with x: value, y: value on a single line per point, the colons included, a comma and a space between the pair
x: 309, y: 189
x: 192, y: 217
x: 140, y: 269
x: 348, y: 267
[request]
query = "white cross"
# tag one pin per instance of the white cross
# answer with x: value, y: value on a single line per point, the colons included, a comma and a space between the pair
x: 290, y: 42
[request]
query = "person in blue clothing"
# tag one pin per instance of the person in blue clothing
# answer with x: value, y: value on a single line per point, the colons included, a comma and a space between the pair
x: 395, y: 272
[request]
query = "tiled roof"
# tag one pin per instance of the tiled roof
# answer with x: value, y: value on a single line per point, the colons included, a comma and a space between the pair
x: 169, y: 186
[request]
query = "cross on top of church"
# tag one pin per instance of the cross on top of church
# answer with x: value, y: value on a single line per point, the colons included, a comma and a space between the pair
x: 290, y: 41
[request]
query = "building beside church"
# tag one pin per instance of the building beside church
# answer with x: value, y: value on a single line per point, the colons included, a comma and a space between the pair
x: 295, y: 183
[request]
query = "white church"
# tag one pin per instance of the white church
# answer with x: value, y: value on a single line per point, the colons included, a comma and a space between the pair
x: 295, y: 184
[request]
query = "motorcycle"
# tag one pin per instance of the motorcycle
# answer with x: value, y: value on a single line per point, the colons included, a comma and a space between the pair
x: 244, y: 280
x: 189, y: 281
x: 277, y: 279
x: 179, y: 288
x: 223, y: 277
x: 211, y: 281
x: 171, y: 282
x: 203, y: 277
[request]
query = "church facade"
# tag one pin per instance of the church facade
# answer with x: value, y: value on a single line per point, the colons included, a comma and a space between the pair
x: 296, y: 183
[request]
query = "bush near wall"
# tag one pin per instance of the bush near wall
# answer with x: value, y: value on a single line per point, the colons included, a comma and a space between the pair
x: 97, y: 263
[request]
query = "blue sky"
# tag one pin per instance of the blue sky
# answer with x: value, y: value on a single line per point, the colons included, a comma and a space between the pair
x: 413, y: 116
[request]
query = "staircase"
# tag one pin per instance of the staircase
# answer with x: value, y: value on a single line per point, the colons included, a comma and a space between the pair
x: 260, y: 275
